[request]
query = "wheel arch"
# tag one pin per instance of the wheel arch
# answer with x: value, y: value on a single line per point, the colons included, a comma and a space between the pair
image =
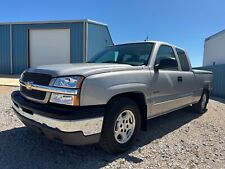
x: 207, y: 90
x: 139, y: 99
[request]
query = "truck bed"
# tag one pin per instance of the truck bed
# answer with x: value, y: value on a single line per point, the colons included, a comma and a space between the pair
x: 196, y: 71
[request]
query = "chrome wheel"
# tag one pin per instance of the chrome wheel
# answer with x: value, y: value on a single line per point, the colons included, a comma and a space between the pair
x: 204, y: 101
x: 124, y: 126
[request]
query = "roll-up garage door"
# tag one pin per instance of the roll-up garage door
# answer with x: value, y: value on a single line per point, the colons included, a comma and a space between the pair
x: 49, y: 46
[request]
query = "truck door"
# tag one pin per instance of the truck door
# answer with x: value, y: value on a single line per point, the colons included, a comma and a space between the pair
x: 166, y: 82
x: 188, y: 84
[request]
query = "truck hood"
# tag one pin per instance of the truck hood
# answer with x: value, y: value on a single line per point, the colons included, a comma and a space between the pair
x: 84, y: 69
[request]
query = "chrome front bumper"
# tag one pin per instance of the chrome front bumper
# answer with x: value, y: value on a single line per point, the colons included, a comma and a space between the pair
x: 88, y: 126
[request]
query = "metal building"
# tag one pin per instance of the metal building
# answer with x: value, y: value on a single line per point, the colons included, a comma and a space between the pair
x: 30, y: 44
x: 214, y: 49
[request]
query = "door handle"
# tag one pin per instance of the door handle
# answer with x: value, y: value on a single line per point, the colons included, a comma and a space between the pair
x: 179, y: 79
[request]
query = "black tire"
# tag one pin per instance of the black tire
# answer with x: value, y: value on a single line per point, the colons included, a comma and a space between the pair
x: 115, y: 108
x: 200, y: 107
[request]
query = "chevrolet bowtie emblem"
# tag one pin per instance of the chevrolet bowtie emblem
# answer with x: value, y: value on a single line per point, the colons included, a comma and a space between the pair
x: 29, y: 85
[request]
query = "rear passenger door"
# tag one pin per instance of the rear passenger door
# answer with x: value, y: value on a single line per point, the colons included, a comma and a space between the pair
x: 187, y: 75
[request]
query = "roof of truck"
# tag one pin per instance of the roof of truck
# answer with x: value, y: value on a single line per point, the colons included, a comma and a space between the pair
x: 152, y: 41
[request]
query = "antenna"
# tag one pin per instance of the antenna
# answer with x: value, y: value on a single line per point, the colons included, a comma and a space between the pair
x: 146, y: 39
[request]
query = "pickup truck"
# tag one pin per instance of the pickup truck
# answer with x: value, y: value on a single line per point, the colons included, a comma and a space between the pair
x: 109, y: 99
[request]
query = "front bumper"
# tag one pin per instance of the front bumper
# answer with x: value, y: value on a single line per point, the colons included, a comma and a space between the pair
x: 70, y: 125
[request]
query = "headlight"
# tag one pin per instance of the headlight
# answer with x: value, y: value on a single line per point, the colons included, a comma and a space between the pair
x: 73, y: 82
x: 69, y: 82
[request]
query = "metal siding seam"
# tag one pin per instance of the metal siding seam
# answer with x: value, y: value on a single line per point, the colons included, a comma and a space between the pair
x: 10, y: 49
x: 69, y: 44
x: 86, y: 41
x: 28, y: 47
x: 107, y: 29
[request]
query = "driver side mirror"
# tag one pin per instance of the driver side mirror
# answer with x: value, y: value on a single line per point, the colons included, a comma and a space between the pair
x: 156, y: 67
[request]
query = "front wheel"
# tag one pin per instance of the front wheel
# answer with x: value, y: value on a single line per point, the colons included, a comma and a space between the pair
x: 200, y: 107
x: 121, y: 125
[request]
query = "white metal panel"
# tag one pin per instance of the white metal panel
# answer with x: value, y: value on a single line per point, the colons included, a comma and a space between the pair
x: 49, y: 46
x: 214, y: 51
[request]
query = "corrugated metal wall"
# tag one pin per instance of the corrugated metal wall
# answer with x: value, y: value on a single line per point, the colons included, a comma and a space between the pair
x: 20, y: 42
x: 4, y: 49
x: 218, y: 79
x: 98, y: 38
x: 97, y: 35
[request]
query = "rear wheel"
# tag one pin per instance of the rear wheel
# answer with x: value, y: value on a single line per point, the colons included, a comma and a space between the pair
x: 200, y: 107
x: 121, y: 125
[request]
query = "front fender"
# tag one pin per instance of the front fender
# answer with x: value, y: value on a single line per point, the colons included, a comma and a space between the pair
x: 98, y: 90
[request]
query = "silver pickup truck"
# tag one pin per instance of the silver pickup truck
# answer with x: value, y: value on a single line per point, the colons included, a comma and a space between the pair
x: 109, y: 99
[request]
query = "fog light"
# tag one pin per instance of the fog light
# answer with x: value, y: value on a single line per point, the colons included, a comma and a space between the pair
x: 64, y: 99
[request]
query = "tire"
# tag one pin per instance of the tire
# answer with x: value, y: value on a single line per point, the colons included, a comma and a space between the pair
x: 200, y: 107
x: 119, y: 133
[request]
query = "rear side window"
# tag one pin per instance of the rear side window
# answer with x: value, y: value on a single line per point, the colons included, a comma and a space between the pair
x: 183, y: 60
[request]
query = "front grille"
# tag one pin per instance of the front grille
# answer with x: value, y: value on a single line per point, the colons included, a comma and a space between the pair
x: 39, y: 95
x: 36, y: 78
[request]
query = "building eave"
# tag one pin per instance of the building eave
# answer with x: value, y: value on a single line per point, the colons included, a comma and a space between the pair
x: 216, y: 34
x: 55, y: 21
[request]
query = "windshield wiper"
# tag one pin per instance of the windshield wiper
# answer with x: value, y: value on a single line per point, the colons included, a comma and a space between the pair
x: 110, y: 62
x: 115, y: 63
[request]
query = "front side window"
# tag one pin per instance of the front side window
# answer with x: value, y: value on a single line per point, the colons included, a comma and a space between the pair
x: 165, y: 58
x: 136, y: 54
x: 183, y: 60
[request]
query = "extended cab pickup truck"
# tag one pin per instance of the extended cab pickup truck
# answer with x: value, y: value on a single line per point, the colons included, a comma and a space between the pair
x: 109, y: 99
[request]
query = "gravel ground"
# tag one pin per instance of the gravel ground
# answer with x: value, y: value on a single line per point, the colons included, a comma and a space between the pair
x: 181, y: 139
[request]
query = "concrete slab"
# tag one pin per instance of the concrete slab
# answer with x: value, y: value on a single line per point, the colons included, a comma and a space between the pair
x: 9, y: 80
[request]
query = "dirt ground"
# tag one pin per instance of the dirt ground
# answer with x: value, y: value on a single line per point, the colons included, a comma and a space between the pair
x: 181, y: 139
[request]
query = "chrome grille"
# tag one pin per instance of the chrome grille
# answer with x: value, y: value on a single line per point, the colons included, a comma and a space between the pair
x: 35, y: 78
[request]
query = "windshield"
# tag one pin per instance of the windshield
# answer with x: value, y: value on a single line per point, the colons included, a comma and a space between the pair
x: 136, y: 54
